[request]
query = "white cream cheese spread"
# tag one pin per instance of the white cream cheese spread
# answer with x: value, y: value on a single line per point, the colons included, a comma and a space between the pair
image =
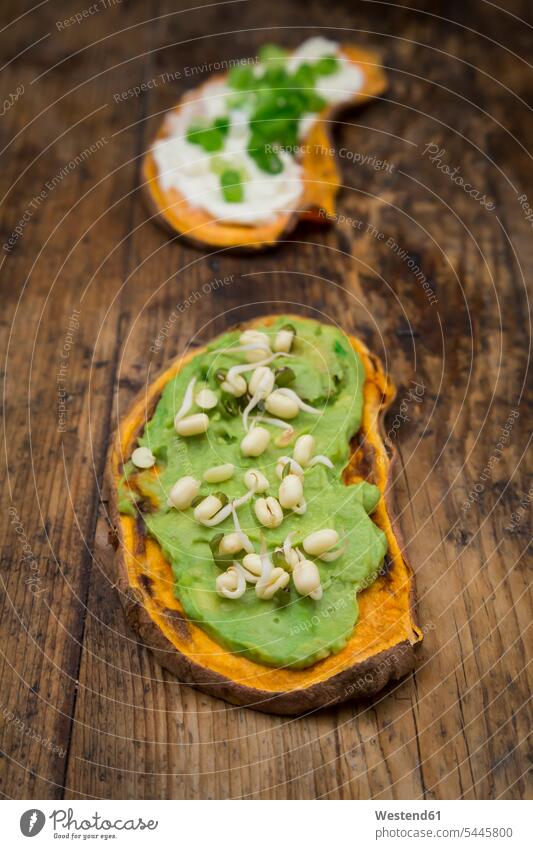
x: 222, y: 173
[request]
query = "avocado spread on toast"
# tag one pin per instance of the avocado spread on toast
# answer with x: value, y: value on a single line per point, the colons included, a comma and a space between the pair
x: 326, y: 375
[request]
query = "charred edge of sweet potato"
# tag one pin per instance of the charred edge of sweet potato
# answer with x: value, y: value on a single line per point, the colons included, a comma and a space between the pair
x: 321, y: 180
x: 162, y: 626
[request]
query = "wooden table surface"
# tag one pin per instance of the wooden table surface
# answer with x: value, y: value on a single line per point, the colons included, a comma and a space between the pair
x: 89, y: 283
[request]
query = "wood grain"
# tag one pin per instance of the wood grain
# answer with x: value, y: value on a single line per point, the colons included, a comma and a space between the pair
x: 72, y: 675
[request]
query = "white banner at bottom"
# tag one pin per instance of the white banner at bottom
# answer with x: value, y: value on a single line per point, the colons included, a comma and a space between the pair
x: 266, y: 824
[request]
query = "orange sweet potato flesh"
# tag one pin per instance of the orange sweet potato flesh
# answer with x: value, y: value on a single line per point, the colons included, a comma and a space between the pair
x: 382, y: 645
x: 320, y: 176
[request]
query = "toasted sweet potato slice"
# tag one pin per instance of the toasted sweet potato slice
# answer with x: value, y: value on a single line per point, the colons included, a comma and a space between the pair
x: 382, y: 645
x: 320, y: 176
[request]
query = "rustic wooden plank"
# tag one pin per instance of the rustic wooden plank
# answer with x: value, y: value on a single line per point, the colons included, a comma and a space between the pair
x: 52, y: 475
x: 458, y: 726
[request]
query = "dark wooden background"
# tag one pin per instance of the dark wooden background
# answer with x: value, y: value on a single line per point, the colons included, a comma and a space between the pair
x: 84, y: 710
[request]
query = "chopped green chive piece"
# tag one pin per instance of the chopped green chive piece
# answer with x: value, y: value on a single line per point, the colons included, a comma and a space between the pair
x: 212, y: 141
x: 210, y: 138
x: 217, y: 165
x: 241, y: 77
x: 315, y: 103
x: 304, y: 76
x: 273, y: 55
x: 222, y: 125
x: 231, y: 185
x: 195, y: 131
x: 265, y: 159
x: 327, y: 65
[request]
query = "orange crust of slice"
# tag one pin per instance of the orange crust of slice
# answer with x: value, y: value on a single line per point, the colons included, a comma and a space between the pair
x: 382, y: 647
x: 321, y: 178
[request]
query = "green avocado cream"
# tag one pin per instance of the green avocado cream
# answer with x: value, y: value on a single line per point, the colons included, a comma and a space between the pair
x: 289, y: 629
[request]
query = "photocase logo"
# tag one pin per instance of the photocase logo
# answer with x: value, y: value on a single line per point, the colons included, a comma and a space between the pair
x: 32, y: 822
